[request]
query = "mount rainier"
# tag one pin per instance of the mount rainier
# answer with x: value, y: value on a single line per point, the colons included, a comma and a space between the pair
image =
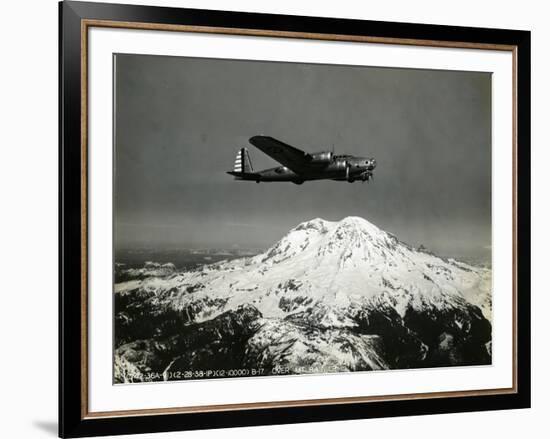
x: 328, y: 297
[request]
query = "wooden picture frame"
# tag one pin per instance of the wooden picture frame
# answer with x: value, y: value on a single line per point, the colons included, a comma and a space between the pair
x: 76, y: 19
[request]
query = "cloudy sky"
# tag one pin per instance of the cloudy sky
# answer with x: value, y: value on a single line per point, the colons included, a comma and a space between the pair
x: 180, y: 121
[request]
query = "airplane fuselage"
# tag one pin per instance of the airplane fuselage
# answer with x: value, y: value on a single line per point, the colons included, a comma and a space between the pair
x: 359, y: 169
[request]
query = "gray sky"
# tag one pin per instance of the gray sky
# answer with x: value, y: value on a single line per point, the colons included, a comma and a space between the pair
x: 180, y: 122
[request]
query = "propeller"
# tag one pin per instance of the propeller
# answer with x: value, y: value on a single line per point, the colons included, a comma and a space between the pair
x: 367, y: 176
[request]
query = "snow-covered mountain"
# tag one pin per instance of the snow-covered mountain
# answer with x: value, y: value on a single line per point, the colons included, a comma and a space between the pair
x: 328, y: 297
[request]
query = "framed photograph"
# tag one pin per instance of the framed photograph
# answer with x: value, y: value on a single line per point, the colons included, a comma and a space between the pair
x: 271, y: 219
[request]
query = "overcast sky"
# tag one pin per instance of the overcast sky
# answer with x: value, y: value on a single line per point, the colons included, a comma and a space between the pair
x: 180, y: 122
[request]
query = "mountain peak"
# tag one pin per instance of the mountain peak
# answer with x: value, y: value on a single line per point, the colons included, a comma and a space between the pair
x: 323, y: 225
x: 357, y: 222
x: 352, y: 238
x: 318, y: 224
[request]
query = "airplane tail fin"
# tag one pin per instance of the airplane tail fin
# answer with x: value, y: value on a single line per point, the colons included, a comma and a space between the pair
x: 242, y: 162
x: 243, y: 167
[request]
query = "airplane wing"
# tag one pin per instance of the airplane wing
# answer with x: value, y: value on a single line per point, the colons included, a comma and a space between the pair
x: 293, y: 158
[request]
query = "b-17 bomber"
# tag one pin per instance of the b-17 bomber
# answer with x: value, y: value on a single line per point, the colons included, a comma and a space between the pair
x: 297, y: 166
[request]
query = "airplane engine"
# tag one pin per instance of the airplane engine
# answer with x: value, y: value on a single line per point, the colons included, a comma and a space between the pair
x: 321, y: 158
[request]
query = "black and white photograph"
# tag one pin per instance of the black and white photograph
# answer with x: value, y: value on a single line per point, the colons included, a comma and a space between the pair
x: 277, y: 218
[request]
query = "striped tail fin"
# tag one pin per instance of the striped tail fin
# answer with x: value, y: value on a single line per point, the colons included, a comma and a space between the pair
x: 242, y: 162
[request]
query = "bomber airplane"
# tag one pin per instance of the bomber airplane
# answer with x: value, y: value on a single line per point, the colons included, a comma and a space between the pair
x: 299, y: 166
